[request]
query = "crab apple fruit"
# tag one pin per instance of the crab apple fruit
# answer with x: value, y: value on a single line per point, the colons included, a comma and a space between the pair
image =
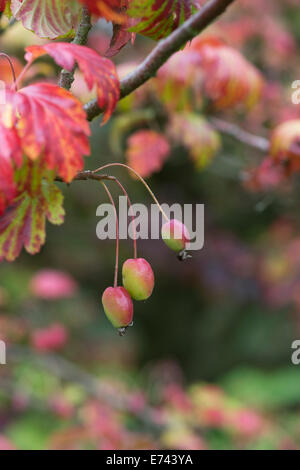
x: 118, y: 306
x: 175, y: 235
x: 138, y: 278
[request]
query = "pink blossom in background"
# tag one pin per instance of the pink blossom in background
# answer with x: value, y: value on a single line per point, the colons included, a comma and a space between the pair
x: 49, y: 339
x: 51, y: 284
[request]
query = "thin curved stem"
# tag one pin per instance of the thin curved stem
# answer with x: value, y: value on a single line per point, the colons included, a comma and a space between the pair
x: 142, y: 181
x: 132, y: 217
x: 22, y: 74
x: 2, y: 54
x: 117, y: 233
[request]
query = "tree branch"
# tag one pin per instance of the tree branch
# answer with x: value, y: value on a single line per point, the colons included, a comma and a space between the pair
x: 88, y: 175
x: 255, y: 141
x: 164, y: 50
x: 68, y: 371
x: 81, y: 37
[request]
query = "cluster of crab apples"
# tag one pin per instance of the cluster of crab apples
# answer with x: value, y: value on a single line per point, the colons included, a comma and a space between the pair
x: 138, y: 279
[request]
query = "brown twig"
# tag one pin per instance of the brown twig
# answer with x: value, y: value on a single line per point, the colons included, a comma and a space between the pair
x: 81, y: 37
x: 255, y: 141
x: 164, y: 50
x: 88, y: 175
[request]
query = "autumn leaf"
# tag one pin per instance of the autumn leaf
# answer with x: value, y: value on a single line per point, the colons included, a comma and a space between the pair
x: 23, y: 223
x: 147, y: 151
x: 121, y: 36
x: 179, y: 81
x: 197, y: 135
x: 265, y: 177
x: 47, y: 18
x: 111, y: 10
x: 229, y: 79
x: 10, y: 152
x: 10, y: 157
x: 98, y: 71
x: 285, y: 144
x: 51, y: 124
x: 208, y: 70
x: 3, y: 4
x: 158, y: 18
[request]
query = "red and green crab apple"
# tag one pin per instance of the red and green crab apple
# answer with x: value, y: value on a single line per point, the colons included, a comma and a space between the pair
x: 138, y: 278
x: 118, y: 306
x: 175, y: 235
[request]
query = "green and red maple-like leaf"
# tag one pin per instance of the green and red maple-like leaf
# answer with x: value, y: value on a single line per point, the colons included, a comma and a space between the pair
x: 43, y: 127
x: 98, y: 71
x: 158, y: 18
x: 47, y: 18
x: 23, y: 223
x: 41, y: 122
x: 43, y: 132
x: 56, y: 18
x: 208, y: 69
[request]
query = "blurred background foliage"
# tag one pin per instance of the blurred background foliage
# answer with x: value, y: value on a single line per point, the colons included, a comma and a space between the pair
x: 208, y: 362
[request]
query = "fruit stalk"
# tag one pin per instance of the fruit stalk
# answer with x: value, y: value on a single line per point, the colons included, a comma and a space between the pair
x: 141, y: 180
x: 132, y: 217
x: 117, y: 233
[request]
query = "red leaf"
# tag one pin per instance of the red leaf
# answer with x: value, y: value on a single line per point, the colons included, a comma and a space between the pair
x: 209, y: 68
x: 111, y: 10
x: 147, y: 151
x: 98, y: 71
x: 267, y: 176
x: 285, y: 144
x: 7, y: 185
x: 229, y: 79
x: 3, y: 5
x: 52, y: 125
x: 121, y: 36
x: 10, y: 154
